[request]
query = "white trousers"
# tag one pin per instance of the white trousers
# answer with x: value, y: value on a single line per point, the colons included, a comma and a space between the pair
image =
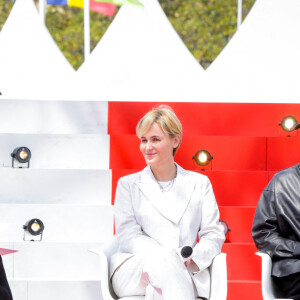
x: 158, y: 276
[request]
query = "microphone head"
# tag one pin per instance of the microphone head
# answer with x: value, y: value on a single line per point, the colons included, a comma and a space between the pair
x: 186, y: 251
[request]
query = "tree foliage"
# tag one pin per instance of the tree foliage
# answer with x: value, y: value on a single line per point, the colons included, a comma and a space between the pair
x: 5, y: 7
x: 205, y: 26
x: 66, y: 26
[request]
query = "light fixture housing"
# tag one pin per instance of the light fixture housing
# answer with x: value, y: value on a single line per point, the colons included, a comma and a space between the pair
x: 289, y: 123
x: 21, y: 157
x: 33, y: 230
x: 202, y: 157
x: 225, y: 228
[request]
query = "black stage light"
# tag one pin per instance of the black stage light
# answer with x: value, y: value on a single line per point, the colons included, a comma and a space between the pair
x: 225, y: 226
x: 21, y: 156
x: 33, y: 229
x: 202, y: 157
x: 226, y: 229
x: 289, y: 123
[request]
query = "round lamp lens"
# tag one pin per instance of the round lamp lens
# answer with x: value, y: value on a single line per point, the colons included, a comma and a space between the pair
x: 289, y: 123
x: 23, y: 155
x: 35, y: 227
x: 203, y: 157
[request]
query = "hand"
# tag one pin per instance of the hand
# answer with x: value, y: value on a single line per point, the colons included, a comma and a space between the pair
x: 192, y: 266
x: 188, y: 263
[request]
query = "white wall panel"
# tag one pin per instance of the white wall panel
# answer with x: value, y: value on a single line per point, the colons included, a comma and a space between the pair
x: 55, y: 117
x: 19, y: 289
x: 55, y: 186
x: 58, y: 290
x: 89, y: 151
x: 56, y: 261
x: 73, y: 290
x: 63, y: 223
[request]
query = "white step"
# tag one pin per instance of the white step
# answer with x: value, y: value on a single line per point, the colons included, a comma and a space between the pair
x: 63, y: 223
x: 53, y: 261
x: 55, y: 117
x: 58, y: 290
x: 79, y: 151
x: 40, y: 186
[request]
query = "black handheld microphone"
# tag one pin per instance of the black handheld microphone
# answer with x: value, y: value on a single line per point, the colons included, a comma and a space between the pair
x: 186, y: 251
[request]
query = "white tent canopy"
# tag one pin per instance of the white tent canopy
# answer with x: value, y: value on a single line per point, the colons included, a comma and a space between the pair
x: 261, y: 63
x: 32, y: 66
x: 141, y: 58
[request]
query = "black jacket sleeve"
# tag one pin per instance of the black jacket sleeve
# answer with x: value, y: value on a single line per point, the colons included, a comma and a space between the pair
x: 266, y: 227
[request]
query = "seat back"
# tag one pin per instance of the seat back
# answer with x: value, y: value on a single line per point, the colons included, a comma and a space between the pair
x: 105, y: 252
x: 109, y: 250
x: 269, y: 289
x: 218, y: 278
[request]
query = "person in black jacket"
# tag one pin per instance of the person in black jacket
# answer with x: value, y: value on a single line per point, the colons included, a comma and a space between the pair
x: 5, y: 293
x: 276, y: 229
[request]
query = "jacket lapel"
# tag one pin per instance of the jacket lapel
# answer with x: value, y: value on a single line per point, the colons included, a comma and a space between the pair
x: 172, y: 204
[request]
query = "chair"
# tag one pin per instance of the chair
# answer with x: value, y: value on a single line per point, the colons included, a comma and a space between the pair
x: 218, y: 274
x: 269, y: 289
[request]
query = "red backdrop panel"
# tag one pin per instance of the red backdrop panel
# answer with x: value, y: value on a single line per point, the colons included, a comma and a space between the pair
x: 242, y: 263
x: 245, y: 290
x: 245, y: 119
x: 239, y: 220
x: 125, y: 153
x: 230, y: 153
x: 237, y: 188
x: 230, y: 188
x: 271, y: 174
x: 282, y: 152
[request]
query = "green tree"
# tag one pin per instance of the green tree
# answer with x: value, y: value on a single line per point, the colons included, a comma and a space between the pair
x: 66, y: 26
x: 5, y: 7
x: 205, y: 26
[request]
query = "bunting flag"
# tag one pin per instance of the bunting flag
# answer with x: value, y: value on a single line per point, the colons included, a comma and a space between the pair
x: 122, y: 2
x: 57, y: 2
x: 104, y: 8
x: 76, y: 3
x: 4, y: 251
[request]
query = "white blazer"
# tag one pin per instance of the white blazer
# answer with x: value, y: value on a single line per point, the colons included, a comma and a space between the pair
x: 147, y: 218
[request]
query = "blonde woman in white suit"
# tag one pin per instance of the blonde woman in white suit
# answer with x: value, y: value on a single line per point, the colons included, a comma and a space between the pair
x: 158, y: 211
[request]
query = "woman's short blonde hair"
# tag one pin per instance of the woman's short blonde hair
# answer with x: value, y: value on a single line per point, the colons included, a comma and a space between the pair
x: 165, y: 117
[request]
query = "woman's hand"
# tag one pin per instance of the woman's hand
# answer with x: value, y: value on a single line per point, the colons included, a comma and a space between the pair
x: 188, y: 263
